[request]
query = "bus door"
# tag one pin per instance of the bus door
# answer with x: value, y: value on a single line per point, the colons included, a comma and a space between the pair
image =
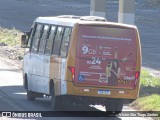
x: 58, y: 60
x: 55, y: 60
x: 106, y: 56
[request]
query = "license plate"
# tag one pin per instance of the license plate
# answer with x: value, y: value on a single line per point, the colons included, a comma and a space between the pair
x: 104, y: 92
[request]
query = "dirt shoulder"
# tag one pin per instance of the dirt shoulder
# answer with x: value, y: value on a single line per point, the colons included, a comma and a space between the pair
x: 11, y: 56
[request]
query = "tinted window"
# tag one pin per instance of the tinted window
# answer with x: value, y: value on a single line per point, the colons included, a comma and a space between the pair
x: 36, y: 37
x: 50, y: 40
x: 29, y: 38
x: 65, y: 42
x: 43, y: 39
x: 57, y: 41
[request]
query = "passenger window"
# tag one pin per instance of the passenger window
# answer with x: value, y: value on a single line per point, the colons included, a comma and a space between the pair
x: 36, y: 37
x: 29, y: 38
x: 50, y: 40
x: 57, y: 41
x: 43, y: 39
x: 65, y: 42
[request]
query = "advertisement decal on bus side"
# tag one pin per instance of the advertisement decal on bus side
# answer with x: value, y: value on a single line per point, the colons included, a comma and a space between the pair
x: 106, y: 56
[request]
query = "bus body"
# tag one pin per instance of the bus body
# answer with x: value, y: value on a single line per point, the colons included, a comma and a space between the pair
x: 82, y: 61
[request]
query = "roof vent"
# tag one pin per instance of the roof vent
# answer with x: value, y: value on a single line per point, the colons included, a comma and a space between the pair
x: 93, y: 18
x: 69, y: 16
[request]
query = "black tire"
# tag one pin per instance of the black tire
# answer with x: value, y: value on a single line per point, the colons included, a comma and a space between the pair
x: 31, y: 95
x: 56, y: 102
x: 25, y: 82
x: 115, y: 106
x: 53, y: 100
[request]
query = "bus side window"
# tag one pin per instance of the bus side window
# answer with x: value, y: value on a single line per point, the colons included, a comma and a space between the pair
x: 29, y: 37
x: 43, y: 39
x: 36, y: 37
x: 57, y: 41
x: 65, y: 42
x: 50, y: 40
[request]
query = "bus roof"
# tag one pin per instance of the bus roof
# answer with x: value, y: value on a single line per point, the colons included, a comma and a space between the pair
x: 70, y: 21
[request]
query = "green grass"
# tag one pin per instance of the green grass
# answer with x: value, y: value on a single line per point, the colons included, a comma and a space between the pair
x: 148, y: 80
x: 149, y: 99
x: 148, y: 103
x: 10, y: 37
x: 10, y: 40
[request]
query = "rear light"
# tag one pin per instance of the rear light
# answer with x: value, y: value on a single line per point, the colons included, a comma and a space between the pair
x: 72, y: 70
x: 136, y: 77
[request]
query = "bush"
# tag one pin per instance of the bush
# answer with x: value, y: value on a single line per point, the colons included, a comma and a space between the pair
x: 10, y: 37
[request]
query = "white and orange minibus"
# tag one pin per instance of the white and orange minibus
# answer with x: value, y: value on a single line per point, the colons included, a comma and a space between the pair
x: 82, y: 60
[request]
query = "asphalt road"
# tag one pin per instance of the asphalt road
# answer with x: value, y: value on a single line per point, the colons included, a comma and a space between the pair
x: 13, y: 97
x: 20, y: 14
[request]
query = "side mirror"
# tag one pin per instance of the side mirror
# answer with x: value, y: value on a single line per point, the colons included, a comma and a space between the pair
x: 23, y: 41
x: 27, y: 33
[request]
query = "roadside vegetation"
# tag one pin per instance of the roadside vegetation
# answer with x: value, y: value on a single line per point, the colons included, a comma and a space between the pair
x: 149, y: 99
x: 10, y: 43
x: 10, y: 37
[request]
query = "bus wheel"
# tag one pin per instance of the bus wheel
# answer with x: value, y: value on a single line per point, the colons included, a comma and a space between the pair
x: 53, y: 100
x: 30, y: 95
x: 116, y: 106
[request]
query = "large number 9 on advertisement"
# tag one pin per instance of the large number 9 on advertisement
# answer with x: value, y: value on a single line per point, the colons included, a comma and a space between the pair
x: 85, y: 49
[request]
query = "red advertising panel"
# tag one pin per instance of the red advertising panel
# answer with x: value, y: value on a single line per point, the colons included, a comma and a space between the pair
x: 106, y: 56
